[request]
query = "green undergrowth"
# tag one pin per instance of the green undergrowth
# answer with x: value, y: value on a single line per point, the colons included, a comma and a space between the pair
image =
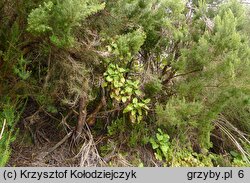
x: 165, y: 84
x: 8, y: 119
x: 166, y: 151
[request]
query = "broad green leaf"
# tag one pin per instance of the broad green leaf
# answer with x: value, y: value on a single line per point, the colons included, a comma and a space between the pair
x: 164, y: 149
x: 129, y: 82
x: 121, y: 70
x: 110, y: 71
x: 145, y: 107
x: 159, y: 137
x: 124, y: 99
x: 166, y: 137
x: 139, y: 111
x: 147, y: 100
x: 141, y: 105
x: 109, y: 48
x: 123, y: 80
x: 136, y: 83
x: 112, y: 95
x: 135, y: 100
x: 132, y: 118
x: 138, y: 92
x: 153, y: 143
x: 118, y: 98
x: 117, y: 91
x: 139, y: 118
x: 116, y: 84
x: 104, y: 84
x: 109, y: 79
x: 112, y: 66
x: 158, y: 156
x: 128, y: 108
x: 140, y: 165
x: 133, y: 112
x: 128, y: 89
x: 159, y: 130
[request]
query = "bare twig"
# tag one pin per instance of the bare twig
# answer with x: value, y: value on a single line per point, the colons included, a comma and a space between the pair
x: 58, y: 144
x: 48, y: 72
x: 1, y: 134
x: 178, y: 75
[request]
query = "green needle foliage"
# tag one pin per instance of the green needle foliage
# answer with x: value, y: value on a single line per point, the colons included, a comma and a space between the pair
x: 8, y: 132
x: 59, y: 18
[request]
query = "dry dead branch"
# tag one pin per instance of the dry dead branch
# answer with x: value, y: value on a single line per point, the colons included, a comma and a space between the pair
x: 1, y: 134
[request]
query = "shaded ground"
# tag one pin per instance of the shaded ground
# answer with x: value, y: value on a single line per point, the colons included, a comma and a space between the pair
x: 40, y: 144
x: 27, y: 153
x: 37, y: 141
x: 25, y: 156
x: 33, y: 155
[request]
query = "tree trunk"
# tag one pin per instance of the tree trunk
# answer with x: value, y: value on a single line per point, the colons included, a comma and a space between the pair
x: 81, y: 117
x: 92, y: 118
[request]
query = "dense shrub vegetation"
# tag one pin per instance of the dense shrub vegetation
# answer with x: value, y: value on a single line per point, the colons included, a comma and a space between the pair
x: 163, y: 82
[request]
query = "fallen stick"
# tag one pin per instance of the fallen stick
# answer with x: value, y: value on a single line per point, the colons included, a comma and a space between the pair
x: 58, y: 144
x: 1, y: 134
